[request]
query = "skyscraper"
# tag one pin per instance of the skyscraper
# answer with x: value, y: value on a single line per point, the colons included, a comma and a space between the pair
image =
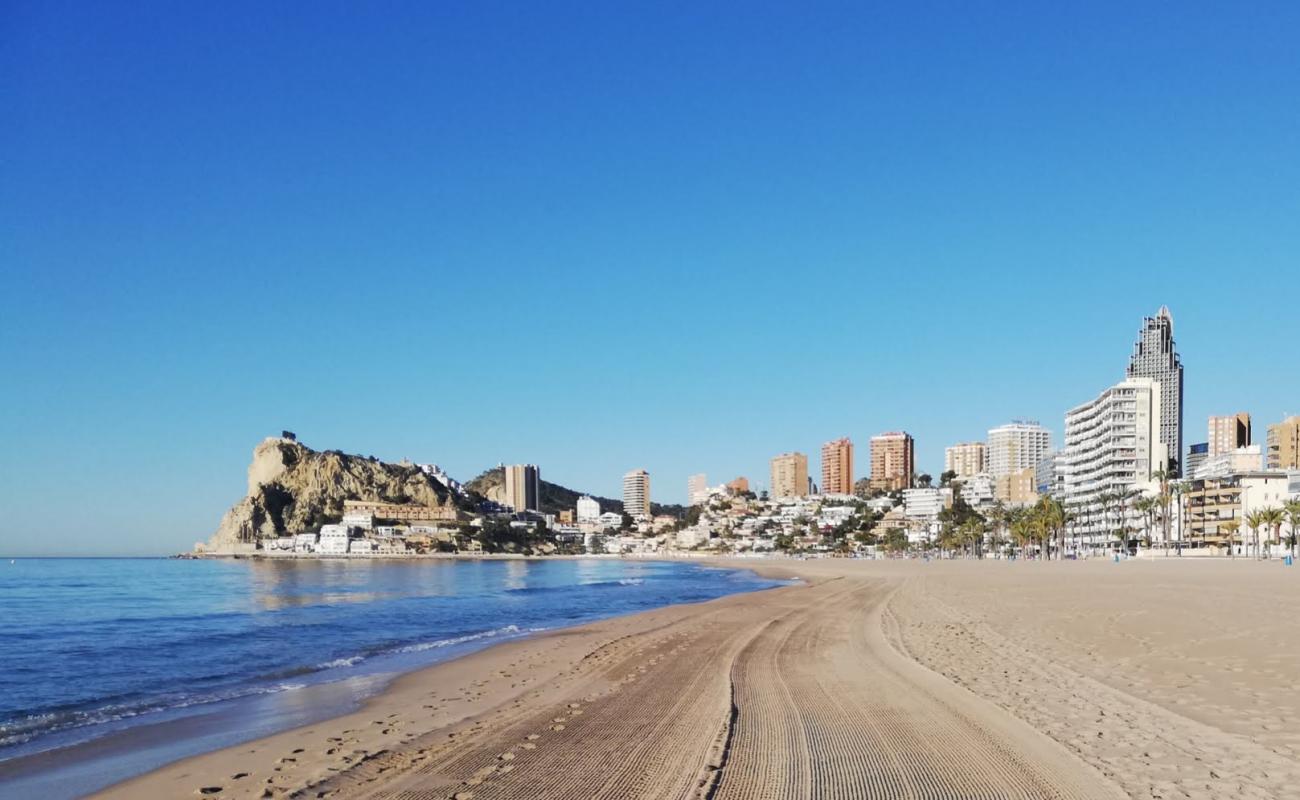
x: 1154, y: 356
x: 697, y: 489
x: 636, y: 493
x: 965, y: 459
x: 1016, y: 446
x: 837, y: 467
x: 523, y: 487
x: 1227, y: 433
x: 892, y: 460
x: 790, y: 475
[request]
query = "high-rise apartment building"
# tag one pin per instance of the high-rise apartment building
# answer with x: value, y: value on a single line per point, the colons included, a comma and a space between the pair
x: 893, y: 460
x: 1155, y: 357
x: 697, y: 489
x: 965, y: 459
x: 790, y: 475
x: 1227, y: 433
x: 1284, y: 444
x: 1016, y: 446
x: 523, y: 487
x: 636, y: 493
x: 1112, y: 446
x: 837, y: 467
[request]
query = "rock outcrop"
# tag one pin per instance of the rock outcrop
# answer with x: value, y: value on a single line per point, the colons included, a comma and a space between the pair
x: 292, y: 489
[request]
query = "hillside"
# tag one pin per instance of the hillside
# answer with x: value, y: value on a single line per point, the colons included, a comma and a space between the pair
x: 292, y: 488
x: 555, y: 498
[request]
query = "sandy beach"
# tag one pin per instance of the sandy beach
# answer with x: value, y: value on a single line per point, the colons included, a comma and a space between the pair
x: 1152, y: 679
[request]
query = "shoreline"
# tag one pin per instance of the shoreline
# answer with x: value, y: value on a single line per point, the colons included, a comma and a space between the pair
x: 945, y: 678
x: 401, y: 689
x: 222, y: 725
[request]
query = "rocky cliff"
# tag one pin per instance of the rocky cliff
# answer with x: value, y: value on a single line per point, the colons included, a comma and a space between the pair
x: 292, y: 488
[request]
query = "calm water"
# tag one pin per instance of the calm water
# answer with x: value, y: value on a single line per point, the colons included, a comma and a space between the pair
x: 96, y: 648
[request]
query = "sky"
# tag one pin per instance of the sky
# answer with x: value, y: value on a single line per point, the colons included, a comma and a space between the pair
x: 596, y: 237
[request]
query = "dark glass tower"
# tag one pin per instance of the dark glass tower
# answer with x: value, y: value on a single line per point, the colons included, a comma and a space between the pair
x: 1154, y: 356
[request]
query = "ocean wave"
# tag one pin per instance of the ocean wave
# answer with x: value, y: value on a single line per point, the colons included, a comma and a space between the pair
x: 508, y: 630
x: 30, y: 727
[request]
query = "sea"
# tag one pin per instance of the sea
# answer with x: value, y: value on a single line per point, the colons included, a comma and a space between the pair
x: 112, y: 667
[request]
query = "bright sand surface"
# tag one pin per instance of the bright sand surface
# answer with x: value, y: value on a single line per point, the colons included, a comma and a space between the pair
x: 1170, y: 678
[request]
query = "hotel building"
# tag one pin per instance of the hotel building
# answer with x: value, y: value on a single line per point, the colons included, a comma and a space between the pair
x: 837, y: 467
x: 523, y: 487
x: 965, y: 459
x: 636, y: 493
x: 1155, y: 357
x: 893, y: 460
x: 790, y: 475
x: 1016, y: 446
x: 1112, y: 445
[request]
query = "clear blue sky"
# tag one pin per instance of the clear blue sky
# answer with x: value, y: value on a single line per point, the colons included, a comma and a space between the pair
x: 684, y: 237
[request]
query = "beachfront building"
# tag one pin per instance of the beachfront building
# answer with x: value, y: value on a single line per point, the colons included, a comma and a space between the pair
x: 1155, y: 357
x: 893, y: 460
x: 1209, y: 503
x: 964, y: 459
x: 1112, y: 450
x: 333, y: 540
x: 697, y: 489
x: 789, y: 475
x: 1284, y: 444
x: 588, y: 510
x: 1227, y: 433
x: 636, y: 493
x: 837, y: 467
x: 1016, y: 446
x: 523, y: 487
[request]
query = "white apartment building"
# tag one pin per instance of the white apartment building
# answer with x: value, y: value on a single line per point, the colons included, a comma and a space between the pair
x: 1018, y: 445
x: 304, y: 543
x: 1231, y: 462
x: 588, y: 509
x: 977, y: 490
x: 1112, y: 445
x: 333, y: 540
x: 923, y: 503
x: 697, y: 489
x: 359, y: 519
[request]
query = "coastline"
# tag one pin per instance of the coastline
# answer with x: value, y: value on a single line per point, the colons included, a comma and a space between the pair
x: 937, y: 679
x: 131, y: 749
x: 466, y: 695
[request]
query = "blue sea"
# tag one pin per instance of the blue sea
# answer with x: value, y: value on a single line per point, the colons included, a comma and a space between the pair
x: 208, y: 653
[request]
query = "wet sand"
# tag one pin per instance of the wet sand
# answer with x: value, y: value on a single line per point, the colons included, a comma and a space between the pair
x: 871, y: 680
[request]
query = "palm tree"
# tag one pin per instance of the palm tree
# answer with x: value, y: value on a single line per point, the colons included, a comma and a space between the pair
x: 1162, y: 501
x: 1253, y: 521
x: 1292, y: 509
x: 1272, y: 519
x: 1230, y: 527
x: 1147, y: 507
x: 1052, y: 517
